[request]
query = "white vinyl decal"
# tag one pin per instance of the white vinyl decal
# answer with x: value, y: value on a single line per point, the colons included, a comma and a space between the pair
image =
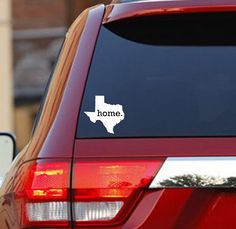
x: 109, y: 114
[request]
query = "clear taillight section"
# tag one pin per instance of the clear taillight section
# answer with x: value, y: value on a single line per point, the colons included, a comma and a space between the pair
x: 93, y: 211
x: 101, y: 193
x: 48, y: 211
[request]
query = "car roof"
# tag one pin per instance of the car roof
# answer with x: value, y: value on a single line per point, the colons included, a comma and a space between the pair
x: 121, y: 9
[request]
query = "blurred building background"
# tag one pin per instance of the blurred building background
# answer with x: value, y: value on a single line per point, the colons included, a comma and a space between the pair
x: 31, y: 34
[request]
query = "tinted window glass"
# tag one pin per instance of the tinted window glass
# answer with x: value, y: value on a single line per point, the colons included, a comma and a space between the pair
x: 173, y: 75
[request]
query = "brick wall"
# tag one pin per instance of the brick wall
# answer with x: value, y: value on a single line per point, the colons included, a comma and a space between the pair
x: 32, y: 14
x: 38, y: 31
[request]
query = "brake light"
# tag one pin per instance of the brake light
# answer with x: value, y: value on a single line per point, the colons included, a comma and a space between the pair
x: 48, y: 181
x: 44, y: 196
x: 105, y: 192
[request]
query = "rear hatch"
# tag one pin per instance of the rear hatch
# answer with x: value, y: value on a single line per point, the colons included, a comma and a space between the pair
x: 156, y: 136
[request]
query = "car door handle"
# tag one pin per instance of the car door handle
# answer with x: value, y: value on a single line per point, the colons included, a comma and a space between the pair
x: 196, y: 172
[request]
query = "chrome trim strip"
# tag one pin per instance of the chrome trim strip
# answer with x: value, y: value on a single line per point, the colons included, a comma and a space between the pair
x: 196, y: 172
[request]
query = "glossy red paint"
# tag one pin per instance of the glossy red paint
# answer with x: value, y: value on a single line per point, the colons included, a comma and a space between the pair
x: 187, y: 208
x: 60, y: 139
x: 155, y: 147
x: 134, y: 9
x: 55, y: 137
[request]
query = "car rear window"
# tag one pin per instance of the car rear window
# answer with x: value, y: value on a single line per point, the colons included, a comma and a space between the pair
x: 173, y: 75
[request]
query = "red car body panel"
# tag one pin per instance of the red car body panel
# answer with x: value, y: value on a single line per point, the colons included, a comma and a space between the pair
x: 188, y: 208
x: 60, y: 143
x: 151, y: 147
x: 54, y: 137
x: 135, y: 9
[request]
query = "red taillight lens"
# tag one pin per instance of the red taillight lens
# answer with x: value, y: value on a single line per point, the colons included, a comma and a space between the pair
x: 43, y: 194
x: 48, y: 181
x: 105, y: 191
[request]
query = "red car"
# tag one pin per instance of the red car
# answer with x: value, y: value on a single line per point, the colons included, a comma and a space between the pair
x: 138, y: 125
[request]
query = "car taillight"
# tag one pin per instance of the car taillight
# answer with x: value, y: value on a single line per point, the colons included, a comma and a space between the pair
x: 105, y: 192
x: 43, y: 194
